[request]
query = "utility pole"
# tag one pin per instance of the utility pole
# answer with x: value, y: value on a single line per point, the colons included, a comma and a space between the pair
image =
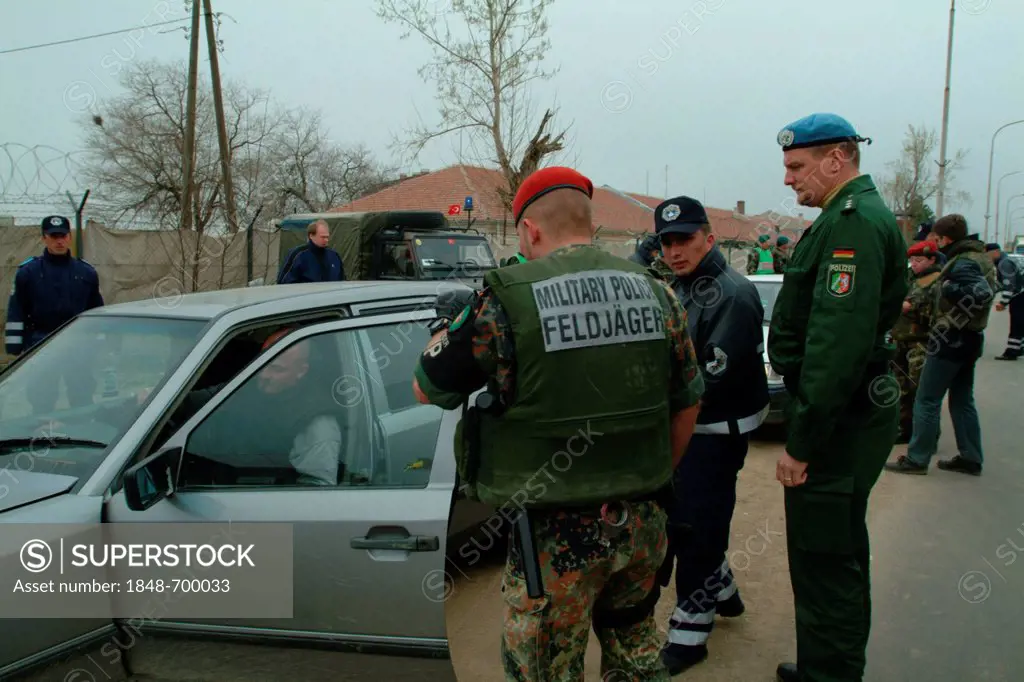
x: 666, y: 182
x: 940, y: 195
x: 222, y: 130
x: 190, y: 121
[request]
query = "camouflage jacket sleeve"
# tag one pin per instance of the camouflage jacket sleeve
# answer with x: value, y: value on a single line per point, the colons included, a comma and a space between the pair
x: 480, y: 336
x: 922, y: 301
x: 686, y: 383
x: 751, y: 262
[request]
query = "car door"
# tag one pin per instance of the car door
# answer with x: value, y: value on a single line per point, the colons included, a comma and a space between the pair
x: 368, y: 545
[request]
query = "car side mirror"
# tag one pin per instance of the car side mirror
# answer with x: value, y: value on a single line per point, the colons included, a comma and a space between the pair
x: 152, y: 479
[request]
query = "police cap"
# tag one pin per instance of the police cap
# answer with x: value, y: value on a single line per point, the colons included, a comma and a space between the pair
x: 816, y: 130
x: 56, y: 224
x: 545, y: 180
x: 681, y: 215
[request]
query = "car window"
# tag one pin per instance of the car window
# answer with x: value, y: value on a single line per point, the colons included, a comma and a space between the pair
x: 327, y: 410
x: 395, y: 352
x: 397, y: 260
x: 79, y: 391
x: 769, y: 291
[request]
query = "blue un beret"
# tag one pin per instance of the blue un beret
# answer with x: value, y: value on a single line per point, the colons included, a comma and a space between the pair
x: 681, y: 215
x: 818, y: 129
x: 56, y: 224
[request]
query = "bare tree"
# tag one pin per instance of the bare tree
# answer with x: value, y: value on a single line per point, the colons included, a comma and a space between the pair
x: 912, y: 180
x: 483, y: 70
x: 135, y: 159
x: 313, y: 174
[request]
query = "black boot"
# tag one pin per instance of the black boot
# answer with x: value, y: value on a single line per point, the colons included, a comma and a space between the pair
x: 679, y: 658
x: 960, y: 465
x: 1006, y: 356
x: 787, y: 672
x: 730, y: 608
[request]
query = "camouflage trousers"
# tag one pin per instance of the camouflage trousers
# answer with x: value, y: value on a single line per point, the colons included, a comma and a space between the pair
x: 585, y: 567
x: 910, y: 357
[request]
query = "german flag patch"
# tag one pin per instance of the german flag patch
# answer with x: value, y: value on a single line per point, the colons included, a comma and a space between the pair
x: 842, y: 253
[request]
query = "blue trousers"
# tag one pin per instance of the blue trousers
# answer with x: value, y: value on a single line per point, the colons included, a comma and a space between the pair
x: 699, y: 528
x: 939, y: 376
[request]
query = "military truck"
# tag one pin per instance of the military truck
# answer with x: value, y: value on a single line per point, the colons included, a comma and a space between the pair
x: 397, y: 245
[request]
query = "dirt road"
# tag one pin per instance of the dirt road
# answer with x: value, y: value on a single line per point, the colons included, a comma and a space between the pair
x: 743, y: 650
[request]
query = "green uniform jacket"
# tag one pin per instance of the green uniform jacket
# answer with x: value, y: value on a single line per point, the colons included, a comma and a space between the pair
x: 842, y: 293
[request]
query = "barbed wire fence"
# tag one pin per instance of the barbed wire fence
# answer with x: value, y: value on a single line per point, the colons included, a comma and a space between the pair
x: 135, y: 258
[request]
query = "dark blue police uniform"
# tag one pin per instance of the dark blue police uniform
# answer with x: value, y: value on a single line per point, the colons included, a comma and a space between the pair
x: 48, y: 291
x: 1011, y: 294
x: 725, y: 320
x: 311, y: 263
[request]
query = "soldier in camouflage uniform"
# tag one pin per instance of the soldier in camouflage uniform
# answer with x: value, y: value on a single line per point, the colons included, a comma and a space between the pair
x: 648, y: 254
x: 599, y: 527
x: 780, y: 254
x: 911, y: 331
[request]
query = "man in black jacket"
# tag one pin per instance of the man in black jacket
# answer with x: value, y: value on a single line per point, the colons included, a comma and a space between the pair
x: 1011, y: 295
x: 966, y: 288
x: 725, y: 319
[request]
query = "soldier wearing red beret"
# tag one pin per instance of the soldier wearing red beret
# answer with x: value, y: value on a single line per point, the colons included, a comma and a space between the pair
x: 911, y: 330
x: 592, y: 393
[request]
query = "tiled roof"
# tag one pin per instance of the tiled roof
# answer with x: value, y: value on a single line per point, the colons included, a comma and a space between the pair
x: 612, y: 210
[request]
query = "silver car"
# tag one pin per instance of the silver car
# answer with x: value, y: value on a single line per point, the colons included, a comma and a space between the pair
x: 769, y: 286
x: 161, y: 374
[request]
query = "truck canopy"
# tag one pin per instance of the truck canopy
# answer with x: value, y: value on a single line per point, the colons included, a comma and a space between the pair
x: 352, y: 234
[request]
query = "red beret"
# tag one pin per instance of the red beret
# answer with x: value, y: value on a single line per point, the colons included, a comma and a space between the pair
x: 926, y: 248
x: 539, y: 183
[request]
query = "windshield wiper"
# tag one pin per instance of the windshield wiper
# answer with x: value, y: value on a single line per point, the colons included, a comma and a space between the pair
x: 44, y: 442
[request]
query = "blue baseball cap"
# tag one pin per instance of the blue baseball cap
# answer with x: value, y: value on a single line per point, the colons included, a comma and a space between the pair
x: 56, y: 224
x: 681, y: 215
x: 816, y: 130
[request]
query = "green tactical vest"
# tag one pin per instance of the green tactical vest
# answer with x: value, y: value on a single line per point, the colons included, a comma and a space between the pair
x: 589, y: 420
x: 973, y: 317
x: 765, y: 262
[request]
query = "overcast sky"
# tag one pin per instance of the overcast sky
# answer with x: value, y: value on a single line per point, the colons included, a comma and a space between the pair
x: 700, y: 87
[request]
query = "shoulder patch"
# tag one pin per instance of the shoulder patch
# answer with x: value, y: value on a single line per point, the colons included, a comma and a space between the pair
x: 849, y: 205
x: 459, y: 320
x: 839, y: 280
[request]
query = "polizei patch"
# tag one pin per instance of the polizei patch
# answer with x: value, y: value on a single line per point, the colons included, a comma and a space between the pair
x: 597, y: 308
x: 840, y: 279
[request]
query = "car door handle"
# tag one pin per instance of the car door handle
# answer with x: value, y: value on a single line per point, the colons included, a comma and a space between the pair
x: 412, y: 543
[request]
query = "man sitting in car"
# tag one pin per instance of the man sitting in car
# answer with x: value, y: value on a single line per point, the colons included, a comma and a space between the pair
x: 279, y: 410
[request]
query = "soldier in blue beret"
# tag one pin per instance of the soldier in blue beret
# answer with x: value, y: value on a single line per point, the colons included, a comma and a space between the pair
x: 830, y: 340
x: 48, y: 291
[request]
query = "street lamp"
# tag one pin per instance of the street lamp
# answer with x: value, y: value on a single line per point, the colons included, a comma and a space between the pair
x: 999, y: 187
x: 1013, y: 216
x: 1008, y: 202
x: 988, y: 192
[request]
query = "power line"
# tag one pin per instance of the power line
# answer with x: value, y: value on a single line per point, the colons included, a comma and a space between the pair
x: 98, y: 35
